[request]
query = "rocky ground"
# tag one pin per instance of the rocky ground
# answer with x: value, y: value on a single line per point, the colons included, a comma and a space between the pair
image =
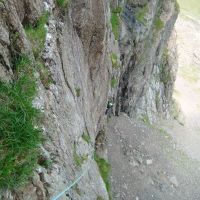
x: 147, y: 165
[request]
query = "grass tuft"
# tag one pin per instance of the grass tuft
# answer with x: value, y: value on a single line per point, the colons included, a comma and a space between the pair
x: 19, y: 135
x: 100, y: 198
x: 114, y: 60
x: 145, y: 119
x: 37, y: 33
x: 141, y: 14
x: 165, y: 75
x: 86, y: 137
x: 158, y: 24
x: 104, y: 169
x: 45, y: 75
x: 113, y: 82
x: 62, y: 3
x: 78, y: 92
x: 78, y: 159
x: 116, y: 21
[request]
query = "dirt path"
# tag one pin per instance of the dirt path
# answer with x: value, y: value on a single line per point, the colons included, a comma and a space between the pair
x: 146, y: 165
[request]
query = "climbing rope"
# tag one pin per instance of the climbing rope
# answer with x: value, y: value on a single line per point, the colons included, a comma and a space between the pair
x: 72, y: 184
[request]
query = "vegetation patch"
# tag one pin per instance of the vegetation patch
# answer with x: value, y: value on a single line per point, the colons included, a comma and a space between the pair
x: 62, y: 3
x: 114, y: 60
x: 78, y: 92
x: 45, y: 75
x: 37, y: 33
x: 86, y: 137
x: 78, y: 159
x: 145, y: 119
x: 19, y: 135
x: 104, y: 169
x: 100, y: 198
x: 113, y: 82
x: 116, y: 21
x: 165, y: 75
x: 158, y: 24
x: 141, y: 14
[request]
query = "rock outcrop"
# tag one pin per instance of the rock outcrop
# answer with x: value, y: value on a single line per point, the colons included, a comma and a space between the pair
x: 88, y: 68
x: 146, y: 83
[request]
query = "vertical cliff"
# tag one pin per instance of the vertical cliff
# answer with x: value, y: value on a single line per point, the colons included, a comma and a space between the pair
x: 148, y: 74
x: 85, y: 54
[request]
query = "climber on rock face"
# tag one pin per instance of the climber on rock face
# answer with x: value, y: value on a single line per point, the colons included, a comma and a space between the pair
x: 109, y: 109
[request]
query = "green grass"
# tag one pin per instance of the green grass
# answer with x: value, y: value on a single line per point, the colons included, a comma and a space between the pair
x: 86, y: 137
x: 100, y: 198
x: 62, y: 3
x: 141, y: 14
x: 37, y: 33
x: 158, y: 24
x: 78, y: 159
x: 145, y: 119
x: 114, y: 60
x: 113, y: 82
x: 45, y: 75
x: 104, y: 169
x: 19, y: 135
x: 190, y: 6
x: 78, y: 91
x: 116, y: 21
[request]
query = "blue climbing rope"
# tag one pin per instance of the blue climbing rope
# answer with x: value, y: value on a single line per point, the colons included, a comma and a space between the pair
x: 70, y: 186
x: 74, y: 183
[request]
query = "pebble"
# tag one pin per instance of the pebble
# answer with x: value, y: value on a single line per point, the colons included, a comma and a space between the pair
x: 139, y: 159
x: 133, y: 163
x: 149, y: 162
x: 174, y: 181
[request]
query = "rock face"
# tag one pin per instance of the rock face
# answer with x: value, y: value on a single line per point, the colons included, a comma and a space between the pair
x: 146, y: 83
x: 77, y: 53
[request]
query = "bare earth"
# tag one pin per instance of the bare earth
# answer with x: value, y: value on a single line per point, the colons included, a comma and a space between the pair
x: 146, y: 164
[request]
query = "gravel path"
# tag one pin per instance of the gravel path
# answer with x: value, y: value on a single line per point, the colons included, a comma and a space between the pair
x: 146, y: 164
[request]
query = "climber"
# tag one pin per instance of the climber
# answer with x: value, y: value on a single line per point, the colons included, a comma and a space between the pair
x: 109, y: 110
